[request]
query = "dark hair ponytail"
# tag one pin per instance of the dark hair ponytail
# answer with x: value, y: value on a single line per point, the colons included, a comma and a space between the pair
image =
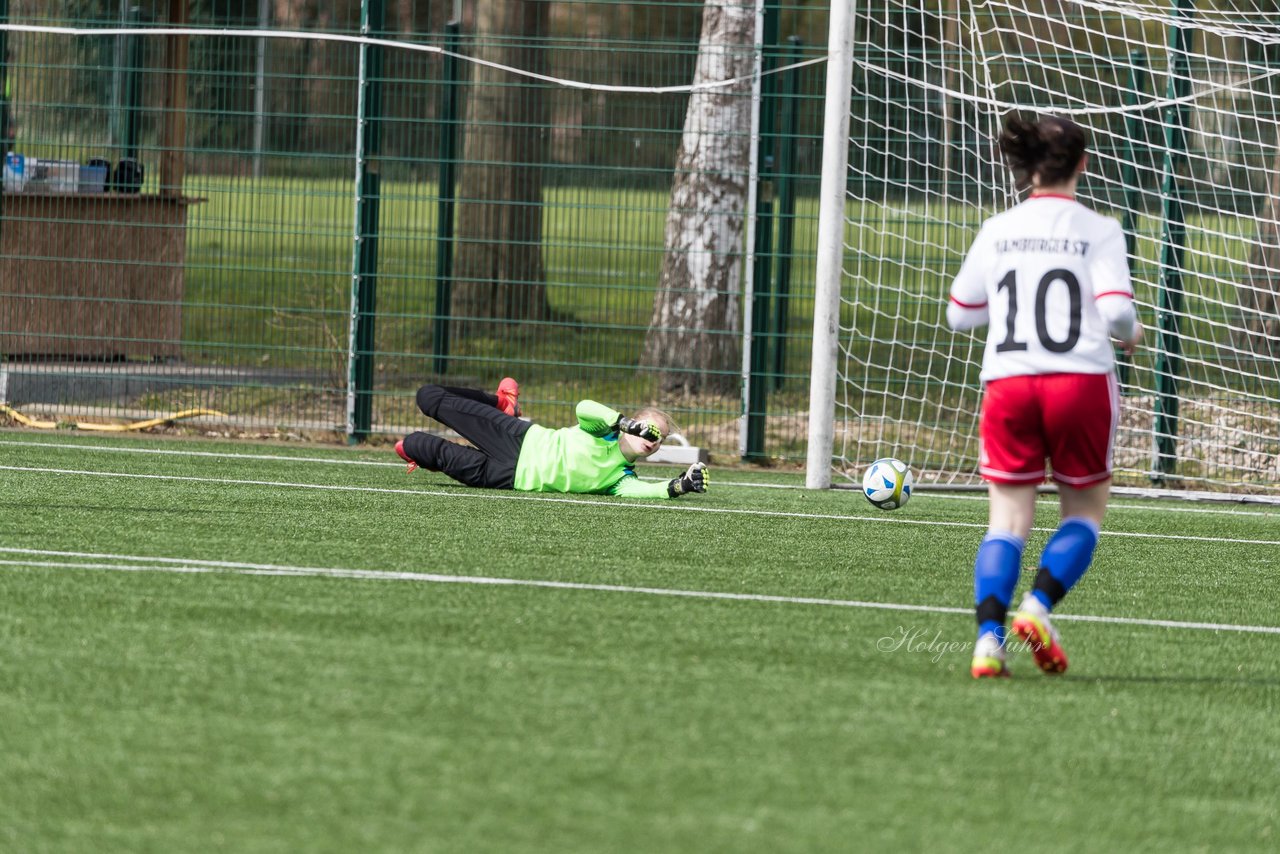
x: 1050, y: 148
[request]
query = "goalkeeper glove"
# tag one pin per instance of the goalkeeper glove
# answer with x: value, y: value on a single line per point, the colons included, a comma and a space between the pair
x: 643, y: 429
x: 695, y: 479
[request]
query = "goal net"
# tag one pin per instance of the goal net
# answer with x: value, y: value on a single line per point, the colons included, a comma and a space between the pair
x: 1183, y: 110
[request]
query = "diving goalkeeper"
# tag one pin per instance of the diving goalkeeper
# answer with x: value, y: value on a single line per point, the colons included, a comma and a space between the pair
x: 597, y: 456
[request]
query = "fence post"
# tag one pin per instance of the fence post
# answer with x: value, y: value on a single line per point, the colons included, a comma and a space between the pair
x: 173, y: 136
x: 758, y: 382
x: 132, y: 87
x: 447, y: 188
x: 4, y: 78
x: 364, y: 276
x: 260, y: 89
x: 1138, y: 71
x: 1169, y: 359
x: 786, y: 173
x: 4, y: 99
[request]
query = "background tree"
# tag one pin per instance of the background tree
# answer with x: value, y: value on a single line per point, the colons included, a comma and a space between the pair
x: 1259, y: 294
x: 693, y: 334
x: 499, y: 269
x: 1259, y: 331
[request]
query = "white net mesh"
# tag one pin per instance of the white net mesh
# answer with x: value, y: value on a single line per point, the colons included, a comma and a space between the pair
x: 1183, y: 109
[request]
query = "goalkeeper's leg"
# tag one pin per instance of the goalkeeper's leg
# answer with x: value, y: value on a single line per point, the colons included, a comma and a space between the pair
x: 507, y: 398
x: 474, y: 415
x: 465, y: 465
x: 478, y: 395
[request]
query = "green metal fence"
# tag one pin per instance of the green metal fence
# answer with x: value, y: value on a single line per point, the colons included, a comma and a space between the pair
x: 274, y: 221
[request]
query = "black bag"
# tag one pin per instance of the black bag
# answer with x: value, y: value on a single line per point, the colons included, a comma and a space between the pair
x: 128, y: 177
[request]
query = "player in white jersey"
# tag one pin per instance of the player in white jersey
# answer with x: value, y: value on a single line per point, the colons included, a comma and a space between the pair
x: 1051, y: 279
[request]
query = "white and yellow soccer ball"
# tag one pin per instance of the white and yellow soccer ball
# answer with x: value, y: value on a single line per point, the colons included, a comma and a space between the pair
x: 887, y: 483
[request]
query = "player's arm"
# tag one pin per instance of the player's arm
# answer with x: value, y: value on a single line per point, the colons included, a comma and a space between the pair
x: 967, y: 305
x: 599, y: 420
x: 1113, y: 290
x: 633, y: 487
x: 696, y: 478
x: 596, y: 418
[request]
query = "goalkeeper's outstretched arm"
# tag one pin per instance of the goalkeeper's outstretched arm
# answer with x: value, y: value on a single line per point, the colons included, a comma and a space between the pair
x: 696, y: 478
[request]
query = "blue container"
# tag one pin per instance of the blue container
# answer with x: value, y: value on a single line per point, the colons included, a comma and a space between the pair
x: 93, y: 179
x: 15, y: 173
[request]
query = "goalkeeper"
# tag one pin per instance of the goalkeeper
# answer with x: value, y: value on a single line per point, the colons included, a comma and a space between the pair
x: 597, y: 456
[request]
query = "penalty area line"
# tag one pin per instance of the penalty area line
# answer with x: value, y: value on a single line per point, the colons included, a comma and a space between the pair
x: 141, y: 563
x: 621, y: 504
x: 466, y: 493
x: 86, y: 447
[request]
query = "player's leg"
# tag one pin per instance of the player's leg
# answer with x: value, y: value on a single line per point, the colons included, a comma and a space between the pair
x: 465, y: 465
x: 1065, y: 558
x: 1088, y: 502
x: 1012, y: 461
x: 506, y: 399
x: 478, y: 395
x: 475, y: 418
x: 1080, y: 421
x: 495, y: 434
x: 996, y: 569
x: 1069, y: 551
x: 509, y: 396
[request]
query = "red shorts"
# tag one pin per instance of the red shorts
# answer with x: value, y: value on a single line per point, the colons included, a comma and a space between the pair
x: 1069, y: 418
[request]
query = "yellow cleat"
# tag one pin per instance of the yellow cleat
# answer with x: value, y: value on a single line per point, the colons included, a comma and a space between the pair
x: 988, y: 659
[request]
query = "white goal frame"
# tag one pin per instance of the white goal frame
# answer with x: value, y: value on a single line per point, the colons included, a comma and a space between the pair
x: 1214, y: 430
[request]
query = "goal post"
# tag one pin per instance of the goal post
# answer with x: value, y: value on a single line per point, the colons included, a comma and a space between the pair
x: 1183, y: 110
x: 830, y: 250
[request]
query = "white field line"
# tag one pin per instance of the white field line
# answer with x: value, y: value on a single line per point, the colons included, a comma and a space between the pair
x: 228, y: 455
x: 498, y: 495
x: 667, y: 506
x: 139, y: 563
x: 219, y: 455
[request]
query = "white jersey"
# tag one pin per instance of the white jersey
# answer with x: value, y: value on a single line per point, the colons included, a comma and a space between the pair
x: 1051, y: 278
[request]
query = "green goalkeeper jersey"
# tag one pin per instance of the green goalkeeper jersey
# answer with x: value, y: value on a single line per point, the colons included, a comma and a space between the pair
x: 585, y: 458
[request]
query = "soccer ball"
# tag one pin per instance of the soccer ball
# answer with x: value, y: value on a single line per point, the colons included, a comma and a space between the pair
x: 887, y: 483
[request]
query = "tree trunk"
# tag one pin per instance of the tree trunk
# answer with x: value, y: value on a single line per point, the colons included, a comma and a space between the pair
x: 693, y: 336
x: 1259, y: 332
x: 289, y: 129
x: 498, y: 267
x: 1258, y: 295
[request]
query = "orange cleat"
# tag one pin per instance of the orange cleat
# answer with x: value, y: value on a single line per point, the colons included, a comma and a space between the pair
x: 1031, y: 624
x: 400, y: 450
x: 509, y: 397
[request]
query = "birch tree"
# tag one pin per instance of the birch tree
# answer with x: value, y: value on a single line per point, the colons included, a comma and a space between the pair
x: 693, y: 337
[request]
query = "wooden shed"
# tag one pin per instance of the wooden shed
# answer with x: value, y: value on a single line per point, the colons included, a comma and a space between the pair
x: 101, y: 275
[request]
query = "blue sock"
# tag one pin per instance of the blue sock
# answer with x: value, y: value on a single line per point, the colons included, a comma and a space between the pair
x: 995, y: 574
x: 1066, y: 556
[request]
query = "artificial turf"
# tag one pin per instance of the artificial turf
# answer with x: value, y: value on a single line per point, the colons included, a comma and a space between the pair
x: 300, y: 673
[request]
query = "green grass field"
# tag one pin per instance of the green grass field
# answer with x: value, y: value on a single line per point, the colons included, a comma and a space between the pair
x: 226, y: 647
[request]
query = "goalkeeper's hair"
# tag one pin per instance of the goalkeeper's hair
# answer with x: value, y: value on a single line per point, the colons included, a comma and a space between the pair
x: 1050, y: 148
x: 651, y: 413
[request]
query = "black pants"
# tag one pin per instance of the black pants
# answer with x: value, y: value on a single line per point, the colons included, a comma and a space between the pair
x: 475, y: 416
